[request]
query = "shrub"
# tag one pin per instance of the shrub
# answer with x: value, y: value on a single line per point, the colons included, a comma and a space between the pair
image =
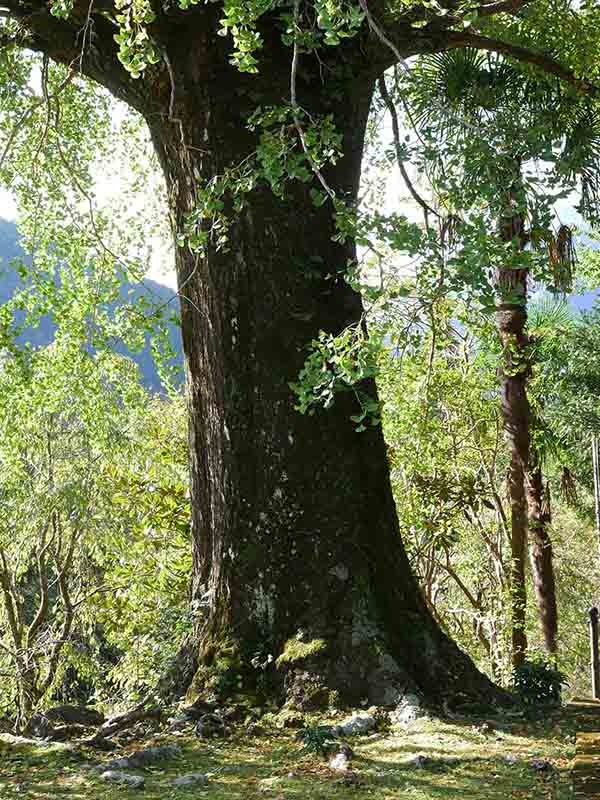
x: 318, y: 739
x: 537, y: 682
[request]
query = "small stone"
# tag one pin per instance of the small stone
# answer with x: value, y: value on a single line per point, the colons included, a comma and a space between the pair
x: 541, y: 765
x: 211, y: 726
x: 151, y: 755
x: 267, y: 785
x: 254, y: 729
x: 420, y: 761
x: 355, y: 725
x: 339, y: 762
x: 191, y: 779
x: 117, y: 763
x: 123, y: 778
x: 408, y: 710
x: 511, y: 759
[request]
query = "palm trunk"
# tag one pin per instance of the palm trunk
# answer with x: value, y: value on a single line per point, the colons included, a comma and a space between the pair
x: 511, y: 320
x: 525, y: 480
x: 596, y: 471
x: 518, y: 545
x: 541, y: 556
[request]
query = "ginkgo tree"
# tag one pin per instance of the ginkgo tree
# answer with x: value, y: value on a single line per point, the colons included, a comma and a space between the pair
x: 60, y: 414
x: 257, y: 112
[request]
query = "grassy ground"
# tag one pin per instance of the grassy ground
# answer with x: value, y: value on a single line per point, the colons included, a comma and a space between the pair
x: 463, y: 760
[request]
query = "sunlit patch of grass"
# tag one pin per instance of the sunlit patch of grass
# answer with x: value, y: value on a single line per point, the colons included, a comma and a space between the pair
x: 460, y: 762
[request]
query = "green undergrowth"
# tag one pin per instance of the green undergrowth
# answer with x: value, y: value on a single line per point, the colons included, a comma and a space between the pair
x: 463, y: 759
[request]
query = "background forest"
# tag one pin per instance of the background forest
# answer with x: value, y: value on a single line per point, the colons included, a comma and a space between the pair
x: 95, y: 553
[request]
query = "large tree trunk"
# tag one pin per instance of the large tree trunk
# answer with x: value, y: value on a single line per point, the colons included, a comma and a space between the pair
x: 294, y: 524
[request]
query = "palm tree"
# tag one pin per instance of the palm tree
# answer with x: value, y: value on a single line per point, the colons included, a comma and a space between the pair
x: 482, y: 124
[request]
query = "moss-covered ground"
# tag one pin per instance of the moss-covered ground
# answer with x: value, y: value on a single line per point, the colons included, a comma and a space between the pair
x: 464, y: 758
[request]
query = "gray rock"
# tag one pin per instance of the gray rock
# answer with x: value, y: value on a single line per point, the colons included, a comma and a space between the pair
x: 179, y: 723
x: 408, y: 710
x: 267, y: 785
x: 540, y: 765
x: 117, y: 763
x: 191, y: 779
x: 339, y: 762
x: 123, y: 778
x: 81, y: 715
x: 355, y: 725
x: 212, y: 726
x: 151, y: 755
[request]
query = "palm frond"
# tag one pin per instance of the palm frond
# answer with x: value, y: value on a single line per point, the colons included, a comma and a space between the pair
x: 581, y: 159
x: 547, y: 314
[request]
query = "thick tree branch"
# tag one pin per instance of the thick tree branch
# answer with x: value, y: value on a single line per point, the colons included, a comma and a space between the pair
x: 11, y: 604
x: 40, y: 616
x: 86, y: 46
x: 401, y: 41
x: 68, y: 609
x: 501, y: 7
x: 547, y: 64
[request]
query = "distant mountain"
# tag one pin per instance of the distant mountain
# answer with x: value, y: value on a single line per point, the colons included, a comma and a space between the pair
x: 43, y: 334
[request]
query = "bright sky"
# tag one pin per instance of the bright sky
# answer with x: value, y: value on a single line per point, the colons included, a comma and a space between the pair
x: 161, y: 263
x: 161, y: 267
x: 8, y: 209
